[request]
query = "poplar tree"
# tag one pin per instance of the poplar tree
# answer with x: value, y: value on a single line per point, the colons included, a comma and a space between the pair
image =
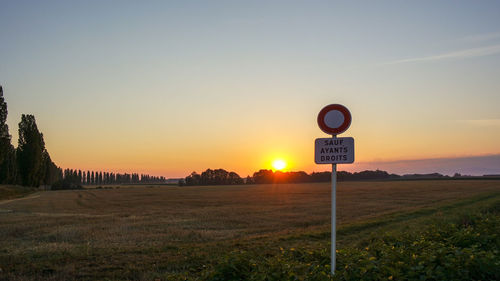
x: 30, y: 151
x: 52, y: 174
x: 7, y: 152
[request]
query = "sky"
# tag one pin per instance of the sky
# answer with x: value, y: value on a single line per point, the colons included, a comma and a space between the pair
x: 171, y: 87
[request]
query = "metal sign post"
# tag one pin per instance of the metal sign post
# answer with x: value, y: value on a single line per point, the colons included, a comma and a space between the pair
x: 334, y: 119
x: 334, y: 217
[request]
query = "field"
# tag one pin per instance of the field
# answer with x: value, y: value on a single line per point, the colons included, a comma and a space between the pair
x: 225, y: 232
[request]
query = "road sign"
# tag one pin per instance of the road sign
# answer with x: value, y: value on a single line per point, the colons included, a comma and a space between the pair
x: 334, y: 119
x: 334, y: 151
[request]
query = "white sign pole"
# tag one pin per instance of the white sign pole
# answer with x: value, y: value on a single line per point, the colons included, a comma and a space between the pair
x: 334, y: 215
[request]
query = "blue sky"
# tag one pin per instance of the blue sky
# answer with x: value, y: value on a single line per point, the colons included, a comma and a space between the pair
x: 169, y: 87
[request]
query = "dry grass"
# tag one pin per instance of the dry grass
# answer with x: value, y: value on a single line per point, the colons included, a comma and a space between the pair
x: 108, y: 232
x: 14, y: 191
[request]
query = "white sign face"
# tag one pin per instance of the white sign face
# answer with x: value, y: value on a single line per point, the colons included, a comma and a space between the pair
x: 334, y: 151
x: 334, y: 119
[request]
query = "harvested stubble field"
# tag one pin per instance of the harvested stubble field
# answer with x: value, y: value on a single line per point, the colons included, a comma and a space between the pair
x: 149, y: 232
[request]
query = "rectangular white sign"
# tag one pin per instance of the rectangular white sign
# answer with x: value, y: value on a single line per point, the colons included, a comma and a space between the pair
x: 334, y: 151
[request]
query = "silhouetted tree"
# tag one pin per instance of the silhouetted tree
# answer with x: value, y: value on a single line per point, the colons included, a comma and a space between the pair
x: 52, y: 174
x: 249, y: 180
x: 322, y: 176
x: 193, y: 179
x: 8, y: 167
x: 30, y: 152
x: 71, y: 180
x: 234, y: 178
x: 208, y: 177
x: 263, y: 176
x: 80, y: 176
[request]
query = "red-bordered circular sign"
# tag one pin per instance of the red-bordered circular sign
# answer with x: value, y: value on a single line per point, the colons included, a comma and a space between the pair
x: 334, y: 119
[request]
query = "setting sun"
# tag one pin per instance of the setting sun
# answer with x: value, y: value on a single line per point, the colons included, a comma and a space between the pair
x: 279, y: 164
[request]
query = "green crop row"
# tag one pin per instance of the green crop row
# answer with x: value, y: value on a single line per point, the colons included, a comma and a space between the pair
x: 465, y: 248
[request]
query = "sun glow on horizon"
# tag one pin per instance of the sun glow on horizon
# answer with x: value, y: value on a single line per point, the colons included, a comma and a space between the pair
x: 279, y: 164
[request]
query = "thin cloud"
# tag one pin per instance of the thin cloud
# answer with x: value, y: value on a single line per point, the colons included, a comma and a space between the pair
x: 462, y: 54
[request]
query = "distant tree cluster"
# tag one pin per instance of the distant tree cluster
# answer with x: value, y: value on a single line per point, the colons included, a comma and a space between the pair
x: 365, y: 175
x: 268, y: 176
x: 424, y: 176
x: 30, y: 164
x: 212, y: 177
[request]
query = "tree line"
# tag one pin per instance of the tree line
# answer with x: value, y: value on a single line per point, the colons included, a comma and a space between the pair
x: 221, y: 177
x: 30, y: 164
x: 79, y: 177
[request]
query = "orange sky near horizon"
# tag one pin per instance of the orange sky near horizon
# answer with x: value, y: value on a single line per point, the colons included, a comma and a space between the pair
x: 247, y: 154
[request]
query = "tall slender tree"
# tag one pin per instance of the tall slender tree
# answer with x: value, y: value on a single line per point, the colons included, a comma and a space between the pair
x: 30, y: 151
x: 80, y: 180
x: 52, y: 174
x: 8, y: 169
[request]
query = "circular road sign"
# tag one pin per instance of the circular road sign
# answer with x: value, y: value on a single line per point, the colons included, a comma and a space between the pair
x: 334, y: 119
